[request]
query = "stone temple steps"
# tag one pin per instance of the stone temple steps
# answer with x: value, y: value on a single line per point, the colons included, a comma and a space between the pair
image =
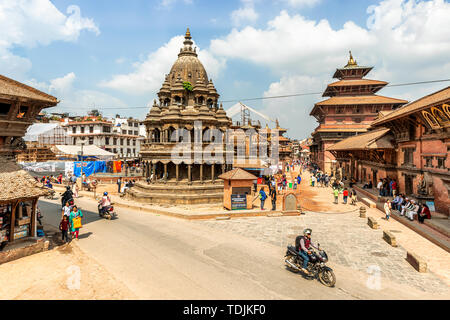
x: 181, y: 193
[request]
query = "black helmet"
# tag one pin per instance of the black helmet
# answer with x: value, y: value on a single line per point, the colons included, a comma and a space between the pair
x: 67, y: 188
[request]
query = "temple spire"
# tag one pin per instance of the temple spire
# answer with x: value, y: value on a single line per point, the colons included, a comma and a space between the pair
x: 351, y: 61
x: 187, y: 49
x: 188, y: 34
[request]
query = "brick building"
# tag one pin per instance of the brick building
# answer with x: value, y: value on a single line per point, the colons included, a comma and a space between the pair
x: 410, y: 144
x: 350, y: 109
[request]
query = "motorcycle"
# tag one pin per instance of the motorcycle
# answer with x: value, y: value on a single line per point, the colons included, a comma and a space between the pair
x: 107, y: 213
x: 316, y: 265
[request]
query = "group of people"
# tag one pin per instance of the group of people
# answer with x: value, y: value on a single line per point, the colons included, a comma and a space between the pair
x: 70, y: 213
x: 387, y: 187
x: 320, y: 179
x: 408, y: 208
x: 127, y: 185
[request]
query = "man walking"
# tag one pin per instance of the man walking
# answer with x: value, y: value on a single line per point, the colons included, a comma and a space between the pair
x: 119, y: 184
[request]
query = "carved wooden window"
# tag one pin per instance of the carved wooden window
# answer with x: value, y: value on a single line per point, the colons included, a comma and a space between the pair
x: 428, y: 162
x: 440, y: 162
x: 74, y: 129
x: 82, y: 129
x: 4, y: 109
x: 91, y: 140
x: 22, y: 112
x: 408, y: 156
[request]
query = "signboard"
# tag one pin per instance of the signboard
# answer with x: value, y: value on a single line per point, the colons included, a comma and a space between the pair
x: 430, y: 205
x: 238, y: 202
x: 260, y: 181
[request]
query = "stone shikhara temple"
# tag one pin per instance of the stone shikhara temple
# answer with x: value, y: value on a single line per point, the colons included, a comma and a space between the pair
x: 187, y: 116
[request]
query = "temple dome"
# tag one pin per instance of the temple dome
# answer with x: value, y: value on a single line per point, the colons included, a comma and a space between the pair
x: 188, y: 67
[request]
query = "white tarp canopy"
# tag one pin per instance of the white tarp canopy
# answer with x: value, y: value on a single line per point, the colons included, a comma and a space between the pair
x: 89, y: 150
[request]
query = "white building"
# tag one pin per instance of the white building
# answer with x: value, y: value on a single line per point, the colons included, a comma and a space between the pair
x: 119, y: 136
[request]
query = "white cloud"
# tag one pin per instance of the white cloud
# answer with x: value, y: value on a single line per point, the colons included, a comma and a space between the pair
x: 245, y: 15
x: 32, y: 23
x: 74, y: 100
x: 405, y: 40
x: 302, y: 3
x: 148, y: 75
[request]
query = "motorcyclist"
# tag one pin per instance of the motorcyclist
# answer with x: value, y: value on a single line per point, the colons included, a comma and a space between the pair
x: 105, y: 202
x: 66, y: 196
x: 303, y: 245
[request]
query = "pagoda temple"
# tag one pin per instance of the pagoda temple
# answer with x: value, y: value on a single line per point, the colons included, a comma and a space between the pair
x: 351, y: 107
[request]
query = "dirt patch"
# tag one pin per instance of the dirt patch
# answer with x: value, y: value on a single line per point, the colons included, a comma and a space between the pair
x: 66, y: 273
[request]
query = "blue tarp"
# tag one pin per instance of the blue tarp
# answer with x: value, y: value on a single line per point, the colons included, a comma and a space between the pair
x: 89, y: 167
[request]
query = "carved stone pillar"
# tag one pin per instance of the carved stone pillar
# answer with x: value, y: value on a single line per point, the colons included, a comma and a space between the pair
x: 201, y: 172
x: 177, y: 172
x: 189, y: 173
x: 212, y: 172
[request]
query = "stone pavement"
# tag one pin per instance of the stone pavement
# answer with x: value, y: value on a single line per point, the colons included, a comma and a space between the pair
x: 345, y: 237
x: 348, y: 240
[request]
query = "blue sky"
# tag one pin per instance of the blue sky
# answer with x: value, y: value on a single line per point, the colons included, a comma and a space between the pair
x: 115, y: 53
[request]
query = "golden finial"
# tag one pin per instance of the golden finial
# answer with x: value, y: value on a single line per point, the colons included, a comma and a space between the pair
x: 188, y: 33
x: 351, y: 61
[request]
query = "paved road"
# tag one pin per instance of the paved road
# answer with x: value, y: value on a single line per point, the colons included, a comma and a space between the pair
x: 159, y: 257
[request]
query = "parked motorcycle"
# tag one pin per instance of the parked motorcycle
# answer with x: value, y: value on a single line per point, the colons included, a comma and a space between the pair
x: 107, y: 213
x: 316, y: 265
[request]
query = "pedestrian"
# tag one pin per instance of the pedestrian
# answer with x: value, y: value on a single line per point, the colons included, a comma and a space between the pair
x: 66, y: 210
x: 64, y: 227
x: 336, y: 195
x: 345, y: 194
x: 380, y: 187
x: 262, y: 197
x: 313, y: 180
x: 75, y: 221
x: 354, y: 198
x: 38, y: 215
x: 387, y: 209
x: 273, y: 195
x: 394, y: 187
x: 75, y: 193
x: 119, y: 184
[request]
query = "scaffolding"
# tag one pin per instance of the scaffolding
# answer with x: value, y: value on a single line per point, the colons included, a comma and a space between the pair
x: 40, y: 139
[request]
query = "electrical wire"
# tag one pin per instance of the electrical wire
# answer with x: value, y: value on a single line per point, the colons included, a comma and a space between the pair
x: 280, y: 96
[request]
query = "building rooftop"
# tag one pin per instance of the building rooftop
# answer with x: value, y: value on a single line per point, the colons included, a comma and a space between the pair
x: 237, y: 174
x: 435, y: 98
x: 376, y: 139
x: 13, y: 88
